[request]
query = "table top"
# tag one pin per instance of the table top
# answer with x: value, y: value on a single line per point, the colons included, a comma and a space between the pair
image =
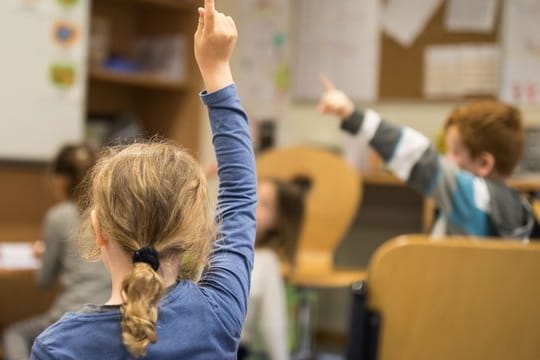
x: 525, y: 182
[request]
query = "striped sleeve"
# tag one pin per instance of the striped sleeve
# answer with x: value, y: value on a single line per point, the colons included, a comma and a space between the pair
x: 462, y: 198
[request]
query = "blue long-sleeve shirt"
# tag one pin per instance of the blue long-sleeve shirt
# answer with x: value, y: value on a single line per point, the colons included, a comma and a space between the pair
x: 195, y: 321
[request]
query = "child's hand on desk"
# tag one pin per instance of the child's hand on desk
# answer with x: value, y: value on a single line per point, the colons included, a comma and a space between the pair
x: 214, y: 43
x: 334, y: 101
x: 38, y: 249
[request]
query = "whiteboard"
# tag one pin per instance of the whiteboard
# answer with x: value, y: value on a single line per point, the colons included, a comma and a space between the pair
x: 340, y: 39
x: 37, y: 114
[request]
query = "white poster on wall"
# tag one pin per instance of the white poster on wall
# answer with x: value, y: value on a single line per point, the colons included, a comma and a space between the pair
x: 43, y: 74
x: 340, y: 39
x: 263, y: 57
x: 521, y: 52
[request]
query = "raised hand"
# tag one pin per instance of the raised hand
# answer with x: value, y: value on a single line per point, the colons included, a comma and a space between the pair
x: 334, y: 101
x: 214, y: 44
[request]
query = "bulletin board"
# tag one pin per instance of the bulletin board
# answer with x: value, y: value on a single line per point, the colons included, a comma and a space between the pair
x: 401, y: 68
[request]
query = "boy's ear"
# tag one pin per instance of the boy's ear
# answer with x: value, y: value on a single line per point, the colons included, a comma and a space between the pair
x: 485, y: 164
x: 100, y: 239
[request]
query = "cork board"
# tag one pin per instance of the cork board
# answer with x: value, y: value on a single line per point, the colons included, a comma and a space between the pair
x: 401, y: 68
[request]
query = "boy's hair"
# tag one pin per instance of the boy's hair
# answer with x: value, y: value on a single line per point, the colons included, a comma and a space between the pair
x: 152, y: 194
x: 283, y: 239
x: 493, y: 127
x: 73, y: 161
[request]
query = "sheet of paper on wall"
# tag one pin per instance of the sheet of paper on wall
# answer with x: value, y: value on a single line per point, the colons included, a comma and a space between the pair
x: 404, y: 20
x: 521, y: 53
x: 461, y: 70
x: 17, y: 256
x: 476, y: 16
x: 263, y: 57
x: 340, y: 39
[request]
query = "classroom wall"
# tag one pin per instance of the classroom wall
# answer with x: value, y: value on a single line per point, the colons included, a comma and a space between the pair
x: 303, y: 125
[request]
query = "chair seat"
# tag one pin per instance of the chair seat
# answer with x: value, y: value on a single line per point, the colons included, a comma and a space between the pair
x: 331, y: 279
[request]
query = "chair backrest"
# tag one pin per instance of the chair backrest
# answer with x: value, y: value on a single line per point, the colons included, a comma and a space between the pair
x: 331, y: 202
x: 459, y: 299
x: 536, y: 208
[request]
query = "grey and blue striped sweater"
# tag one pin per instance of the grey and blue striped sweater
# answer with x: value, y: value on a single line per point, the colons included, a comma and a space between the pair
x: 468, y: 205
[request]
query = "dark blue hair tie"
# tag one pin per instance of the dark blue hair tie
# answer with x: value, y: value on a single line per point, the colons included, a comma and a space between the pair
x: 147, y: 255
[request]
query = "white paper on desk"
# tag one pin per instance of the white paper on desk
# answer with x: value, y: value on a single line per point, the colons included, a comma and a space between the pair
x: 471, y: 16
x: 17, y: 256
x: 404, y: 20
x: 340, y: 39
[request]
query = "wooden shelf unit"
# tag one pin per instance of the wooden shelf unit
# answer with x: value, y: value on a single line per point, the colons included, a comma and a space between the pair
x: 150, y: 81
x: 168, y: 108
x: 173, y: 4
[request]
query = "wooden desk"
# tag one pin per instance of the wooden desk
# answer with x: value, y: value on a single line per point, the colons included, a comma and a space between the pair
x: 523, y: 183
x: 21, y: 298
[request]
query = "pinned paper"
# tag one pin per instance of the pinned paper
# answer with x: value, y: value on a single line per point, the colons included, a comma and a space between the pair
x: 340, y: 39
x: 471, y: 16
x: 461, y: 70
x: 521, y: 44
x: 404, y: 20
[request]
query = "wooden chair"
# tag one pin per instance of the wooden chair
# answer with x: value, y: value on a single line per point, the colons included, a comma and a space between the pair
x: 460, y: 299
x: 331, y: 205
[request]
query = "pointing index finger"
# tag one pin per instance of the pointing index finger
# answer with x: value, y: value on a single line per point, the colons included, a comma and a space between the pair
x: 327, y: 84
x: 209, y: 6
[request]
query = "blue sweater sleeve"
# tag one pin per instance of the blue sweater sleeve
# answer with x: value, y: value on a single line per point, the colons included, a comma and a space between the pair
x: 226, y: 281
x: 39, y: 352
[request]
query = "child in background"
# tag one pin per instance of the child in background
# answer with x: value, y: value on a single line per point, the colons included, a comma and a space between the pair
x: 279, y: 216
x: 149, y: 209
x: 81, y: 281
x: 484, y: 141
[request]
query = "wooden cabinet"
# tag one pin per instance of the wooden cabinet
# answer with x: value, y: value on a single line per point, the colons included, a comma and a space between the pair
x: 164, y: 106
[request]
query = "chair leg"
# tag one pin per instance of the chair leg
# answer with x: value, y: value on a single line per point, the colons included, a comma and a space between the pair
x: 305, y: 351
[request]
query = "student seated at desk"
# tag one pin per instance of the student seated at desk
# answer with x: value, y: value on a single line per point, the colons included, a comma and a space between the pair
x: 81, y: 281
x: 484, y: 141
x: 279, y: 215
